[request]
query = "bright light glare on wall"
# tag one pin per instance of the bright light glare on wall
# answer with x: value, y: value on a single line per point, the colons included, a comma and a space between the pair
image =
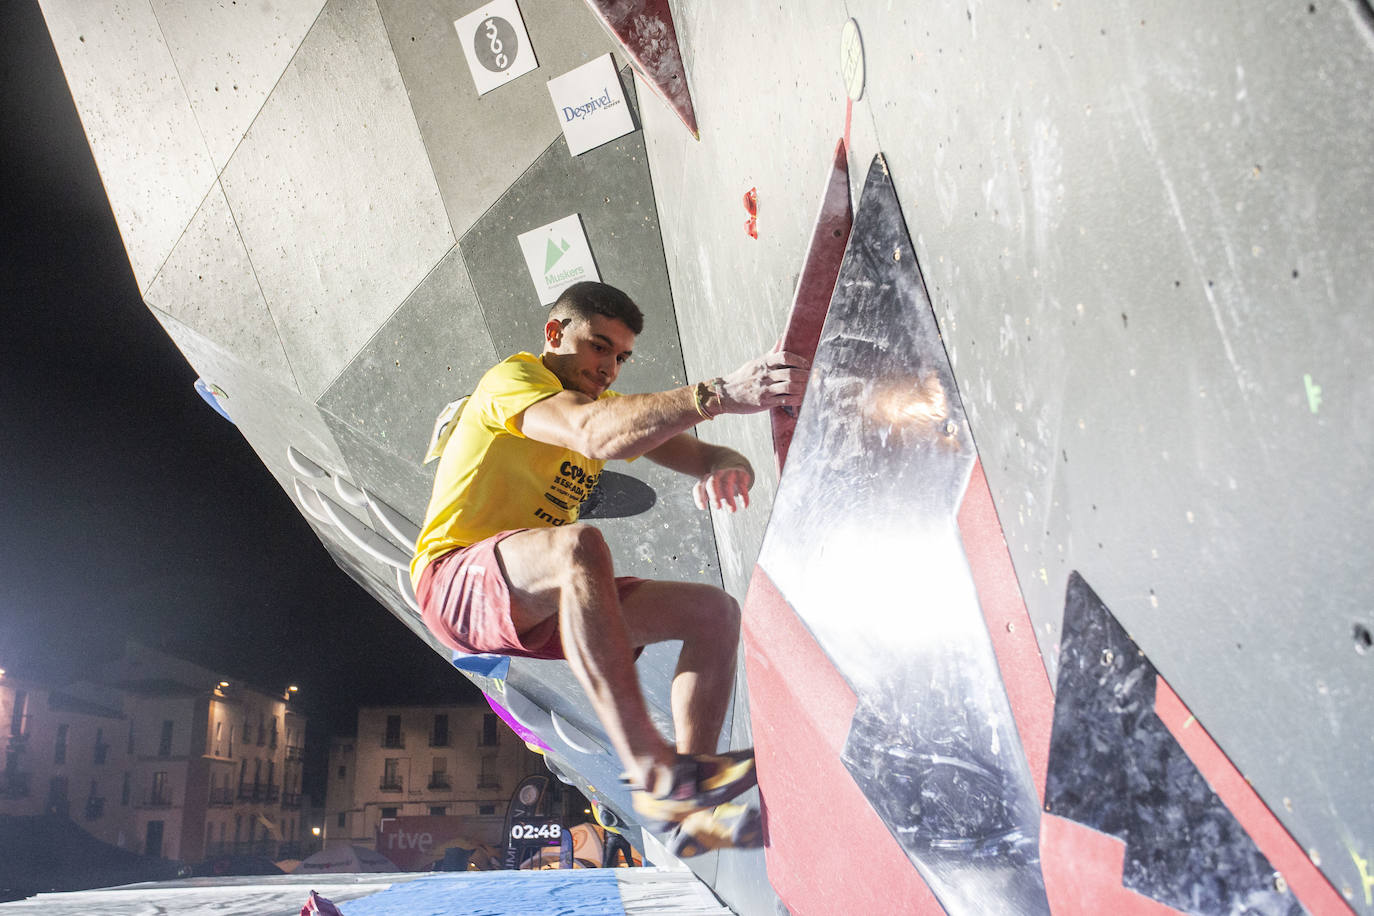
x: 315, y: 831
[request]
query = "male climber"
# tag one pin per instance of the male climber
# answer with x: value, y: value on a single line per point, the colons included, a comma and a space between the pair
x: 502, y: 566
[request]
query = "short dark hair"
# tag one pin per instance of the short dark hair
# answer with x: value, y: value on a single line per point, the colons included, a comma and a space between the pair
x: 588, y: 298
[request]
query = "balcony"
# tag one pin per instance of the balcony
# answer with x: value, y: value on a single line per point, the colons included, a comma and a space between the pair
x: 291, y: 799
x: 161, y: 799
x: 95, y: 808
x: 248, y: 792
x: 295, y: 753
x: 221, y: 797
x: 395, y: 742
x: 272, y: 794
x: 391, y: 786
x: 488, y: 782
x: 102, y: 752
x: 440, y: 781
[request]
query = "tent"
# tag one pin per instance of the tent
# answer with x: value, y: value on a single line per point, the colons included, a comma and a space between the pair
x: 346, y: 860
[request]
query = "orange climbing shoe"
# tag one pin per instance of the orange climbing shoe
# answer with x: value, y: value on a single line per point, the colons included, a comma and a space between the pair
x: 729, y: 826
x: 696, y: 782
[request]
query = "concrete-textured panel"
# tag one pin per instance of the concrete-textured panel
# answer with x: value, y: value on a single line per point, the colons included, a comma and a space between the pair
x: 208, y: 285
x: 400, y: 482
x: 1143, y: 236
x: 1136, y: 264
x: 433, y: 350
x: 138, y: 119
x: 609, y: 188
x: 478, y: 146
x: 229, y: 56
x: 333, y: 194
x: 270, y: 416
x: 732, y: 292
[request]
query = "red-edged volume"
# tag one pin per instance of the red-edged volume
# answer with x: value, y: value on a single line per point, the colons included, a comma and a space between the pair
x: 817, y: 284
x: 644, y: 29
x: 802, y: 709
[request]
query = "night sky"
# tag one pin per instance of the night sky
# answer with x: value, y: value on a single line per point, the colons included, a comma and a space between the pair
x: 129, y: 508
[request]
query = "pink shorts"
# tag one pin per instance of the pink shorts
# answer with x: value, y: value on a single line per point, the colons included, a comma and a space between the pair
x: 465, y: 601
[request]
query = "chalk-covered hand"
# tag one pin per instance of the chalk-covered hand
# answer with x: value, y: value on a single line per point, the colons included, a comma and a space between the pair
x: 775, y: 379
x: 726, y: 485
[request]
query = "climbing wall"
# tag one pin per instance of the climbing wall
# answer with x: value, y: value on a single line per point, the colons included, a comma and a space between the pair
x: 1133, y: 275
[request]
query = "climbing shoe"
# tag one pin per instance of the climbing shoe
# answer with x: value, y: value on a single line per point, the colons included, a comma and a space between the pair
x: 696, y: 782
x: 729, y: 826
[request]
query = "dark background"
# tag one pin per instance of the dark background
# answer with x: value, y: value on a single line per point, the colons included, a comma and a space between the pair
x: 129, y: 509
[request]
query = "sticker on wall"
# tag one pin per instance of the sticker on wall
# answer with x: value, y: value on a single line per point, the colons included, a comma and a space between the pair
x: 591, y: 105
x: 557, y: 256
x: 496, y: 45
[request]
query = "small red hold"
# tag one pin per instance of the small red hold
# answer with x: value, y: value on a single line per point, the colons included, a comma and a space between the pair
x: 751, y: 226
x: 751, y: 201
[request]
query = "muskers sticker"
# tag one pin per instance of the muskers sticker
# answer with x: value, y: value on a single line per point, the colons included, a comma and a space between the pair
x: 591, y: 105
x: 495, y: 44
x: 557, y: 256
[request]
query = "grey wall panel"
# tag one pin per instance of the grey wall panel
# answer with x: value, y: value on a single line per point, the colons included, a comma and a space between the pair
x: 401, y: 482
x: 229, y: 56
x: 733, y: 292
x: 334, y: 196
x: 609, y: 187
x: 1138, y: 261
x: 506, y: 129
x: 270, y: 416
x: 208, y: 284
x: 138, y: 119
x: 1141, y: 230
x: 432, y: 350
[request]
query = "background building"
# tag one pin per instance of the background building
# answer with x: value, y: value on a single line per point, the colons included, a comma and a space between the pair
x: 424, y: 761
x: 160, y: 756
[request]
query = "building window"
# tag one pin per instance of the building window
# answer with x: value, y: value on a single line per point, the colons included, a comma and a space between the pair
x: 489, y: 730
x: 437, y: 811
x: 438, y: 777
x: 59, y: 753
x: 439, y: 737
x: 131, y: 739
x: 489, y: 777
x: 343, y: 819
x: 393, y: 732
x: 486, y: 810
x: 219, y: 738
x: 389, y: 812
x: 57, y: 796
x: 343, y: 771
x: 102, y: 750
x: 161, y: 793
x: 272, y: 736
x: 127, y: 790
x: 391, y: 775
x: 164, y: 743
x: 17, y: 717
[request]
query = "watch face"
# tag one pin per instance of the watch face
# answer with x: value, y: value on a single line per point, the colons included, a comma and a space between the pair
x: 529, y: 795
